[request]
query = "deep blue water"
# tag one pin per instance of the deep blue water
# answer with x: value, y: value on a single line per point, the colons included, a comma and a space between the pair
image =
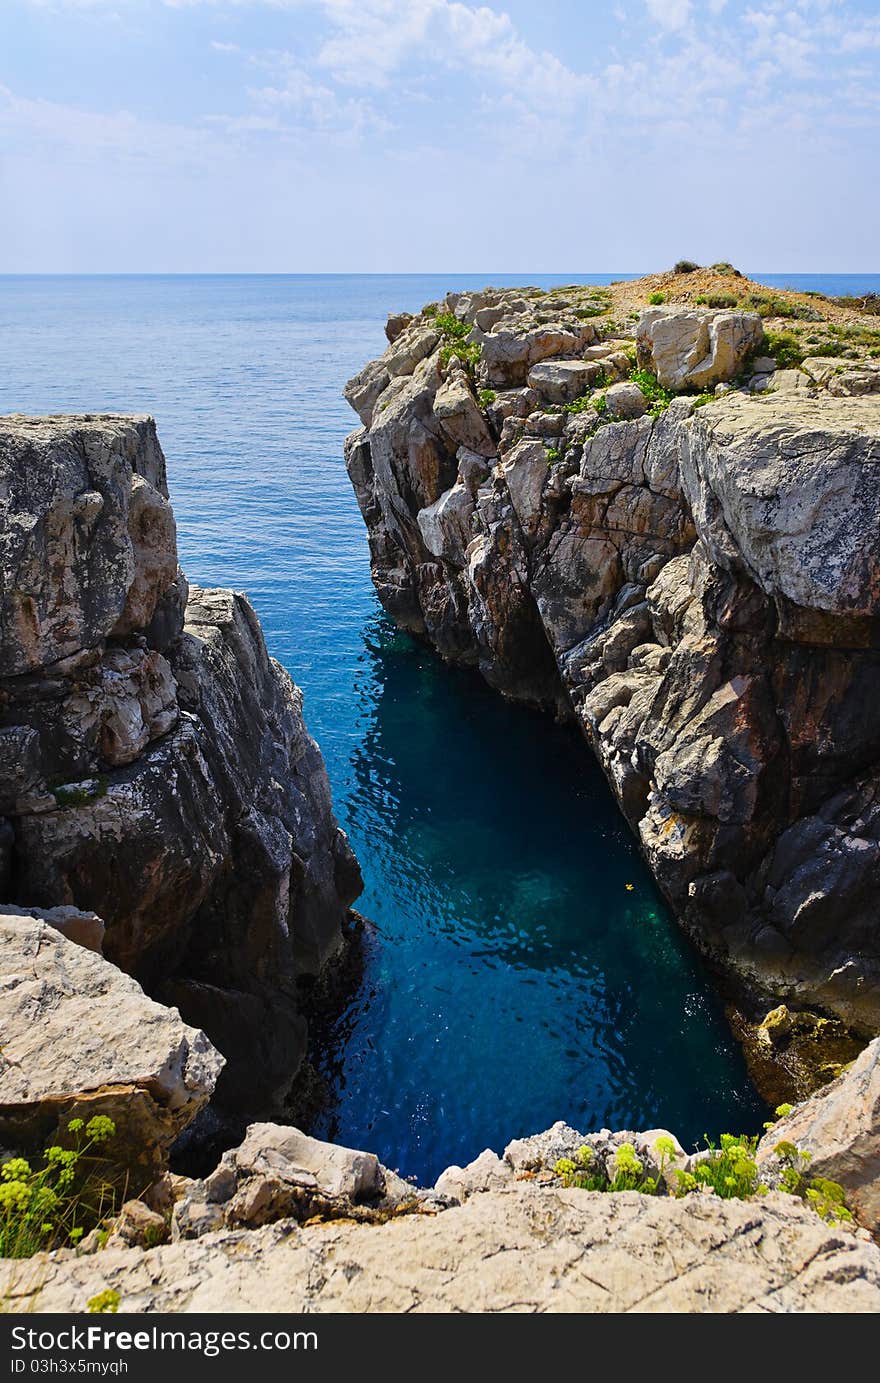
x: 514, y: 979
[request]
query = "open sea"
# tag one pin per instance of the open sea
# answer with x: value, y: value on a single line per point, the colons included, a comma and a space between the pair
x: 514, y: 979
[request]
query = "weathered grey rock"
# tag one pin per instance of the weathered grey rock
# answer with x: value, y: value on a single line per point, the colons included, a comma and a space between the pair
x: 840, y: 1128
x: 288, y: 1153
x: 488, y: 1172
x: 397, y: 322
x: 524, y: 1249
x: 842, y: 377
x: 562, y: 381
x: 700, y: 590
x: 278, y: 1173
x: 81, y: 1038
x: 87, y: 538
x: 137, y: 1227
x: 155, y: 769
x: 507, y: 354
x: 788, y: 488
x: 625, y: 401
x: 696, y: 349
x: 364, y: 390
x: 460, y: 417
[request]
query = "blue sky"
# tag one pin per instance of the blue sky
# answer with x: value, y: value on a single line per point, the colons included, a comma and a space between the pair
x: 383, y: 136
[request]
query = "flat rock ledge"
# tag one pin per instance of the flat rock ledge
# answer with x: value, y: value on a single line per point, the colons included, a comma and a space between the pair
x: 522, y: 1249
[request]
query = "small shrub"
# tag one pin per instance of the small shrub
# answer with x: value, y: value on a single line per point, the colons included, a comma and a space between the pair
x: 686, y: 266
x: 581, y: 405
x: 553, y: 455
x: 455, y: 343
x: 723, y: 267
x: 487, y: 397
x: 655, y: 299
x: 785, y: 347
x: 729, y: 1170
x: 653, y: 391
x: 702, y: 399
x: 80, y: 794
x: 51, y: 1206
x: 721, y: 300
x: 104, y: 1303
x: 702, y: 300
x: 600, y: 404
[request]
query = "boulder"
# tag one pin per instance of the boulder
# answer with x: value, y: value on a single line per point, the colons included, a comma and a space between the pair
x: 506, y: 355
x: 81, y: 1038
x: 563, y: 381
x: 278, y: 1173
x: 397, y: 322
x: 695, y: 349
x: 840, y: 1128
x: 488, y: 1172
x: 625, y: 401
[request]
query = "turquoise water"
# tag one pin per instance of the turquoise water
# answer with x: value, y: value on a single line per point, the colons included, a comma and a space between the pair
x: 514, y: 979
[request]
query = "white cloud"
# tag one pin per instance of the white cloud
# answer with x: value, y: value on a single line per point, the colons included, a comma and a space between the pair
x: 670, y: 14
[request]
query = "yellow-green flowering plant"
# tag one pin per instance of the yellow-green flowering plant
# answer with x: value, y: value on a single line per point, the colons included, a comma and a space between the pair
x: 52, y: 1205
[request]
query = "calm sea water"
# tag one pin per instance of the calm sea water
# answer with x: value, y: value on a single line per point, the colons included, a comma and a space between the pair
x: 515, y: 979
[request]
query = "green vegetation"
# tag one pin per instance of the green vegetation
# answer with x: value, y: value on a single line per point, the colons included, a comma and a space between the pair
x: 870, y: 304
x: 655, y: 299
x: 80, y: 794
x: 600, y: 403
x: 553, y: 455
x: 581, y: 405
x: 702, y: 300
x: 52, y: 1206
x: 487, y: 397
x: 721, y: 300
x: 455, y: 333
x: 785, y: 347
x: 729, y: 1170
x: 723, y: 267
x: 654, y: 392
x: 780, y: 307
x: 104, y: 1303
x: 702, y: 399
x: 686, y: 266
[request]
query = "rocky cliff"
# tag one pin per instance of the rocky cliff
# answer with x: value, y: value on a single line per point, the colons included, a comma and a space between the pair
x: 155, y: 769
x: 637, y: 516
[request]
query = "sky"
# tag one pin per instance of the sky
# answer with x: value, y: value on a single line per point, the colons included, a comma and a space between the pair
x: 407, y: 136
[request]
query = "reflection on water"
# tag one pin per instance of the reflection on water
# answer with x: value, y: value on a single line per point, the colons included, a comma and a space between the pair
x: 515, y: 979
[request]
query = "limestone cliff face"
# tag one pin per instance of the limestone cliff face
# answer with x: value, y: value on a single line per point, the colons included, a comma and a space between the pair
x: 698, y: 586
x: 154, y: 764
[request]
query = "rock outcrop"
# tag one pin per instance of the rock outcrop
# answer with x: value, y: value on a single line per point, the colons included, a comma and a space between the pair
x: 840, y: 1129
x: 696, y: 349
x: 697, y: 585
x: 155, y: 769
x: 522, y: 1249
x: 81, y: 1038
